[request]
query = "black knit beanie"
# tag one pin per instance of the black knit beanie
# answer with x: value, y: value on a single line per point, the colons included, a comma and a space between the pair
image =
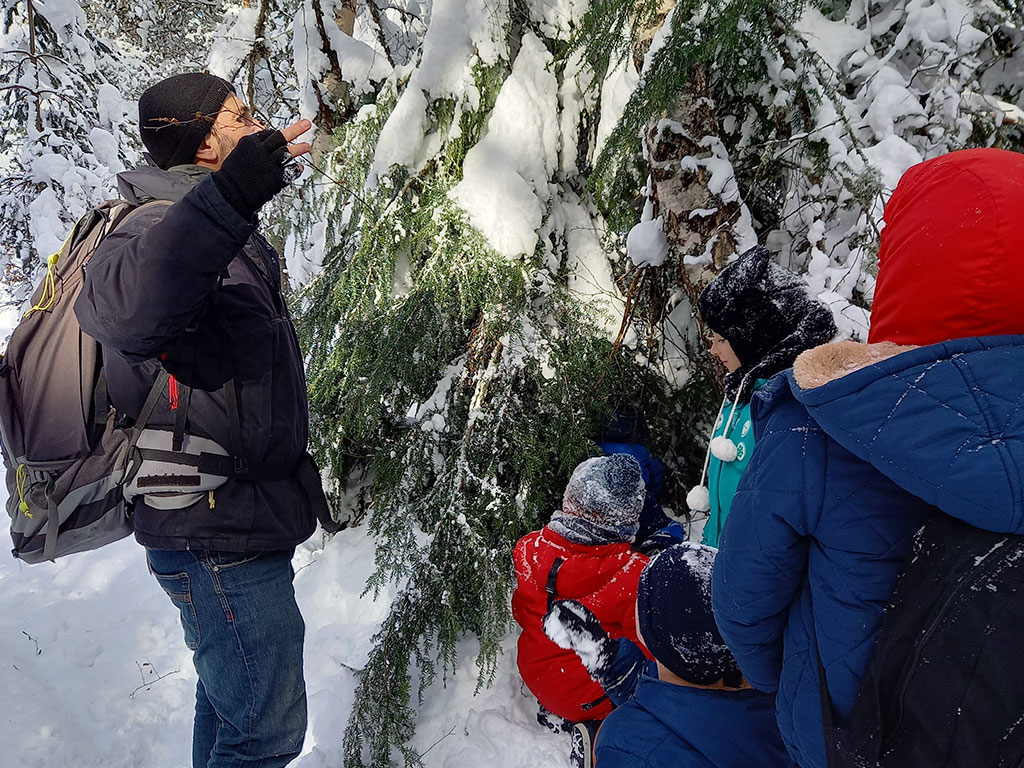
x: 673, y: 609
x: 176, y: 114
x: 766, y: 315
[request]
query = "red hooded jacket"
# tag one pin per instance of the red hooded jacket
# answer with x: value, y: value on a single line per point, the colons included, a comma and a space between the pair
x: 952, y: 265
x: 604, y: 578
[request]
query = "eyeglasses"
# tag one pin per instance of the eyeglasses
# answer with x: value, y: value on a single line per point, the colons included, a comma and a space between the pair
x: 242, y: 117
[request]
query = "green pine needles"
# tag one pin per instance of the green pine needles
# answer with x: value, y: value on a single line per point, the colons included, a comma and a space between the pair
x: 453, y: 388
x: 462, y: 387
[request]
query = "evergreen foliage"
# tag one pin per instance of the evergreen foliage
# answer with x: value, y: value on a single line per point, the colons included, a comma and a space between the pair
x: 63, y: 130
x: 801, y: 117
x: 468, y: 384
x: 454, y: 387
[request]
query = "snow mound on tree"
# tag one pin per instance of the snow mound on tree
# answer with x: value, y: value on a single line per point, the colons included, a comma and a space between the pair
x: 504, y: 187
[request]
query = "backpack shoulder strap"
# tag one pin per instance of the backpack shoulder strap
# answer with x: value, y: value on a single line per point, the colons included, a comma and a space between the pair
x: 552, y: 578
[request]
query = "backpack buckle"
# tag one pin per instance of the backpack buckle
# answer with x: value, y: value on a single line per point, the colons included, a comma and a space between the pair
x: 241, y: 465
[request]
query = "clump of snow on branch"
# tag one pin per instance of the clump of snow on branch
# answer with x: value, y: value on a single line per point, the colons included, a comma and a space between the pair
x: 505, y: 187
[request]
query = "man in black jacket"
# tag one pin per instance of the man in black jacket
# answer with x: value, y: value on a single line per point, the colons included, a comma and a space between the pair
x: 188, y: 287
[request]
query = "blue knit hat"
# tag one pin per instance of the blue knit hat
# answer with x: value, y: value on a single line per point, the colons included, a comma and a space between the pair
x: 602, y: 501
x: 673, y: 608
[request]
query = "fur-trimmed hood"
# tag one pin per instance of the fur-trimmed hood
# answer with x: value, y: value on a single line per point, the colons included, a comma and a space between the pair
x: 766, y: 315
x: 945, y: 422
x: 828, y: 362
x: 858, y: 462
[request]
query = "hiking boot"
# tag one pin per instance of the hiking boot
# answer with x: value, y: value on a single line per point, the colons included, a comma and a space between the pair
x: 581, y: 751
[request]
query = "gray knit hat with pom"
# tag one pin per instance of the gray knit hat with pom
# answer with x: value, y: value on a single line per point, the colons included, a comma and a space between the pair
x: 602, y: 501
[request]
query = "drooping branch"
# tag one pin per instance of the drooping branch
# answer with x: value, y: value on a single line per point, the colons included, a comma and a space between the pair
x: 32, y: 51
x: 259, y: 51
x: 375, y: 13
x: 331, y: 84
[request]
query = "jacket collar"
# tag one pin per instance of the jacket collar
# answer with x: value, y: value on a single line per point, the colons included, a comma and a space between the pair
x: 597, y: 550
x: 150, y: 183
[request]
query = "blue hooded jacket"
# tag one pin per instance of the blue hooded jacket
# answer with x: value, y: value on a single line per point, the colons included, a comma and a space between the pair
x: 843, y: 475
x: 674, y: 726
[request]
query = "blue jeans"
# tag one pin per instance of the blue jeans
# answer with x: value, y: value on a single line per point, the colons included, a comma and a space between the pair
x: 245, y: 630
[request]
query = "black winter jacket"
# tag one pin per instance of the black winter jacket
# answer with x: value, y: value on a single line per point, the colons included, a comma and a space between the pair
x: 191, y: 281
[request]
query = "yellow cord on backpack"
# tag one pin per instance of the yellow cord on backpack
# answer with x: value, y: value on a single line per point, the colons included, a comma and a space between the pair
x: 50, y: 283
x: 21, y: 475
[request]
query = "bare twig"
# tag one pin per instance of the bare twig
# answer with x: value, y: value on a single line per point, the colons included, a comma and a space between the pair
x: 375, y: 13
x: 148, y: 684
x: 303, y: 567
x: 258, y: 52
x: 627, y: 312
x: 424, y: 752
x: 32, y: 49
x: 304, y: 160
x: 39, y: 650
x: 327, y: 115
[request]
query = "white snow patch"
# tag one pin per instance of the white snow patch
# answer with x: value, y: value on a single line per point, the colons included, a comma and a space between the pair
x: 402, y: 138
x: 111, y: 106
x: 104, y: 145
x: 504, y: 188
x: 647, y: 244
x: 46, y: 226
x: 852, y: 321
x: 233, y: 41
x: 86, y: 639
x: 62, y: 15
x: 892, y: 156
x: 618, y: 86
x: 659, y: 39
x: 832, y: 40
x: 589, y: 270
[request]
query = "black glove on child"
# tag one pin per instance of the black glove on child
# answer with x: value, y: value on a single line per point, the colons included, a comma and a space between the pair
x: 573, y: 626
x: 254, y: 171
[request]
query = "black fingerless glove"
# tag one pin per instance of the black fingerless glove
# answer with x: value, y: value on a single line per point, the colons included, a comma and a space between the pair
x: 254, y: 171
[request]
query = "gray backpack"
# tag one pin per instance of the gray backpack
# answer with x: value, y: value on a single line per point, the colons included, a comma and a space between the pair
x: 68, y: 460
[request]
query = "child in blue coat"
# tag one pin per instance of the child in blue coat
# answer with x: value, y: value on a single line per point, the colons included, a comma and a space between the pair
x: 695, y: 710
x: 860, y: 444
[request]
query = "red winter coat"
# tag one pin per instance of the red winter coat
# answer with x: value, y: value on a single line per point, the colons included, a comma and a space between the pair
x: 604, y: 578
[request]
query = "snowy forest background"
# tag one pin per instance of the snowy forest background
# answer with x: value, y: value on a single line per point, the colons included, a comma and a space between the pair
x: 494, y: 251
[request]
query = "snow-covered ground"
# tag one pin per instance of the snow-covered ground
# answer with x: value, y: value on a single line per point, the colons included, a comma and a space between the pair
x: 94, y: 671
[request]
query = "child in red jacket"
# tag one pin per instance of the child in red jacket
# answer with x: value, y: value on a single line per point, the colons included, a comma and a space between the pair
x: 583, y: 554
